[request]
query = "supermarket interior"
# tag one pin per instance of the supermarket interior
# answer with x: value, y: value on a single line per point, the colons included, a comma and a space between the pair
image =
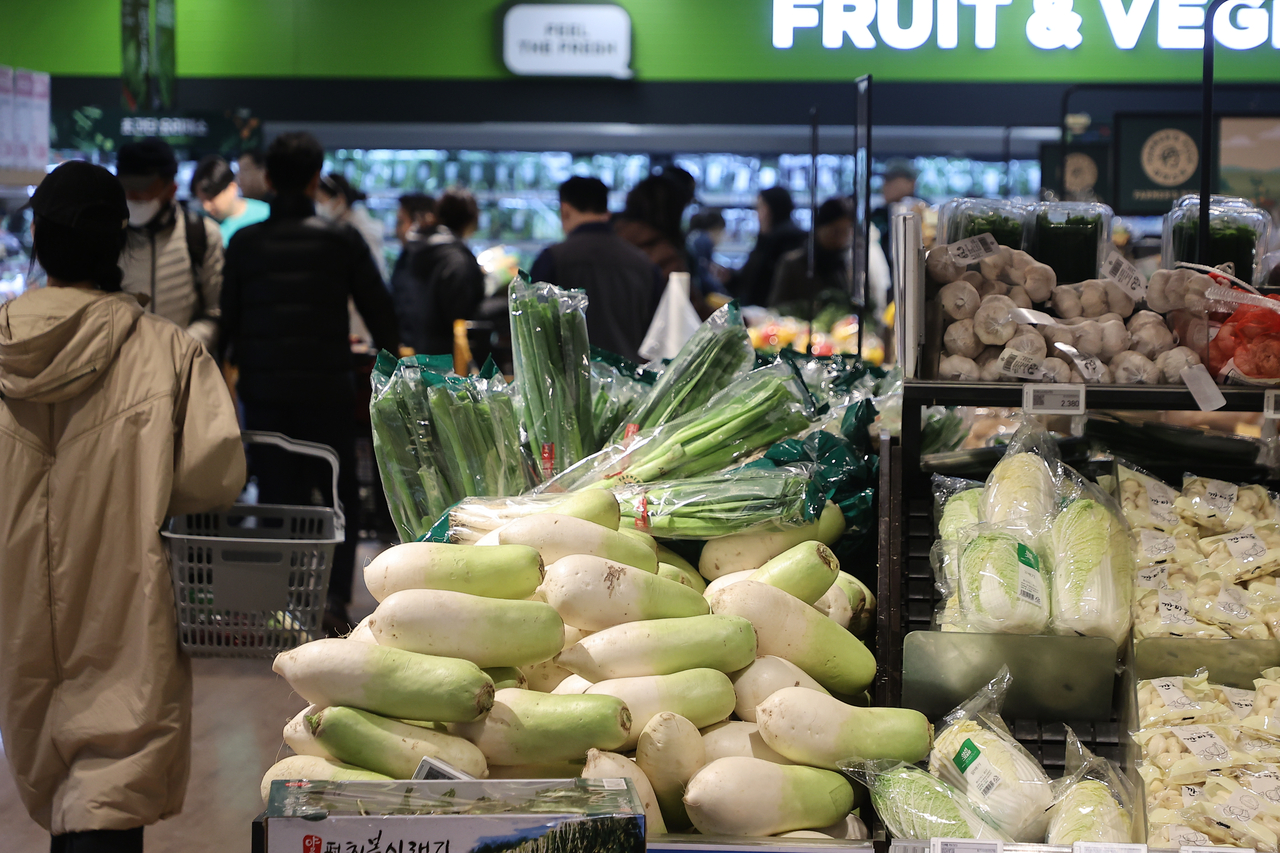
x: 759, y: 426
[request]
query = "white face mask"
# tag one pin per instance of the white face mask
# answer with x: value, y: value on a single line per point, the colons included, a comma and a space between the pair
x: 142, y: 212
x: 328, y: 210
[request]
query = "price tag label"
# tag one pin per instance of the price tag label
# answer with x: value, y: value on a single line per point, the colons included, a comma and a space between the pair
x: 1020, y: 365
x: 1156, y: 577
x: 1188, y: 849
x: 974, y: 249
x: 1053, y: 399
x: 1125, y: 274
x: 1202, y: 387
x: 1105, y: 847
x: 615, y: 784
x: 1174, y: 608
x: 1270, y: 404
x: 964, y: 845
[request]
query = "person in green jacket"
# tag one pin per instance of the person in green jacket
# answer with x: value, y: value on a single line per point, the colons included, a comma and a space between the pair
x: 215, y: 186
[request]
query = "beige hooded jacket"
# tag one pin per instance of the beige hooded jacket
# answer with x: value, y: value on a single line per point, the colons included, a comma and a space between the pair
x: 110, y: 420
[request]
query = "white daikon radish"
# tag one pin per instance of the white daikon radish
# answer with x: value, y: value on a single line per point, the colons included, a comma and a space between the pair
x: 737, y: 738
x: 298, y: 737
x: 386, y: 681
x: 546, y: 676
x: 802, y: 833
x: 553, y: 770
x: 638, y: 536
x: 390, y: 746
x: 574, y: 685
x: 822, y: 731
x: 670, y: 751
x: 851, y: 828
x: 594, y: 593
x: 315, y: 768
x: 362, y: 634
x: 861, y: 600
x: 748, y: 796
x: 525, y: 727
x: 664, y: 646
x: 610, y: 765
x: 807, y: 571
x: 486, y: 631
x: 507, y: 676
x: 702, y: 696
x: 573, y: 635
x: 749, y: 551
x: 834, y: 605
x: 726, y: 580
x: 764, y: 677
x: 557, y: 536
x: 511, y: 571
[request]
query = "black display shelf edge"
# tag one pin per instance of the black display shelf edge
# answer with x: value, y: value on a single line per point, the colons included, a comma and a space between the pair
x: 1122, y: 397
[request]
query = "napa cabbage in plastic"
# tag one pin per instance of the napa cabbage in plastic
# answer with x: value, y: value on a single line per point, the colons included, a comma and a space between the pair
x: 1092, y: 572
x: 913, y: 804
x: 963, y: 509
x: 1094, y: 801
x: 1002, y: 584
x: 976, y: 755
x: 1021, y: 489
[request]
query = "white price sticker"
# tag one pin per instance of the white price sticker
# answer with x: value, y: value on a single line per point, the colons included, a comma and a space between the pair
x: 614, y: 784
x: 1125, y: 274
x: 1271, y: 403
x: 1202, y: 387
x: 1171, y: 692
x: 1160, y: 503
x: 1221, y: 496
x: 1107, y: 847
x: 1174, y: 609
x: 1053, y: 399
x: 964, y: 845
x: 1019, y: 365
x: 1241, y: 701
x: 1231, y: 602
x: 1245, y: 545
x: 1155, y: 545
x: 1203, y: 743
x: 1154, y: 577
x: 974, y: 249
x: 1202, y: 844
x: 1243, y: 805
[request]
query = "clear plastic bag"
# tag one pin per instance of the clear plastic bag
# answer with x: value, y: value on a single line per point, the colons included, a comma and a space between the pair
x: 1092, y: 568
x: 1233, y: 815
x: 1244, y: 554
x: 470, y: 519
x: 975, y: 754
x: 1001, y: 584
x: 1161, y: 794
x: 1166, y: 829
x: 1219, y: 507
x: 1023, y: 487
x: 1237, y: 699
x: 551, y: 358
x: 1185, y: 755
x: 1182, y: 576
x: 615, y: 392
x: 1168, y: 613
x: 1155, y: 547
x: 1180, y: 700
x: 914, y: 804
x: 1236, y: 611
x: 758, y: 409
x: 1093, y: 802
x: 1147, y: 502
x: 957, y: 504
x: 1264, y: 716
x: 718, y: 354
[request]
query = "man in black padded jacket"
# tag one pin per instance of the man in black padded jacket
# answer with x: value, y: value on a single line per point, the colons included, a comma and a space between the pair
x: 285, y: 326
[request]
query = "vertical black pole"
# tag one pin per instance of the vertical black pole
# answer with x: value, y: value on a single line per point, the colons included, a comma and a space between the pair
x: 813, y: 221
x: 1206, y: 134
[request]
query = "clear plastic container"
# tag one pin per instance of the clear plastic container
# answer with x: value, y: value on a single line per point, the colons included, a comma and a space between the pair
x: 1000, y: 218
x: 1237, y: 234
x: 1073, y: 237
x: 1215, y: 200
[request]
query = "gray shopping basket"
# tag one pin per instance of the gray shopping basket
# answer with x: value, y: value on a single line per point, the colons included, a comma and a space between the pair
x: 251, y: 581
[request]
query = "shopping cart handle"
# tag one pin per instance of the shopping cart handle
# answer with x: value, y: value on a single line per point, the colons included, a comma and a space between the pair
x: 305, y: 448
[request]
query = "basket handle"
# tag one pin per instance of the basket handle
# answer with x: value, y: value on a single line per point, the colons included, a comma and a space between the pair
x: 304, y: 448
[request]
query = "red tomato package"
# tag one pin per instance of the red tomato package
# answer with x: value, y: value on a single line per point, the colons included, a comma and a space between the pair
x: 1246, y: 348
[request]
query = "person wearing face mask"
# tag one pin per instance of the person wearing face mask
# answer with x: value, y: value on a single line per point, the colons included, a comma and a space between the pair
x: 173, y: 257
x: 338, y: 201
x: 111, y: 419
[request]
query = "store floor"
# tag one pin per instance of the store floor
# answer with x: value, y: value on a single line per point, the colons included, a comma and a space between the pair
x: 240, y: 708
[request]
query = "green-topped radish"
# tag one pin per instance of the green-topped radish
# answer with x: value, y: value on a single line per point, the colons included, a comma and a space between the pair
x: 663, y: 646
x: 738, y: 738
x: 748, y: 796
x: 822, y: 731
x: 669, y: 752
x: 666, y: 555
x: 488, y: 632
x: 386, y: 681
x: 702, y: 696
x: 298, y: 737
x: 507, y: 676
x: 510, y: 571
x: 593, y: 593
x: 557, y: 536
x: 525, y: 727
x: 749, y: 551
x: 861, y: 601
x: 725, y: 580
x: 610, y: 765
x: 834, y: 605
x: 790, y: 629
x: 806, y: 571
x: 681, y: 575
x: 388, y: 746
x: 640, y: 538
x: 764, y: 677
x: 597, y: 506
x: 315, y: 768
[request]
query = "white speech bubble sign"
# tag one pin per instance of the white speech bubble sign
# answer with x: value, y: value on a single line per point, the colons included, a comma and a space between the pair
x: 567, y: 40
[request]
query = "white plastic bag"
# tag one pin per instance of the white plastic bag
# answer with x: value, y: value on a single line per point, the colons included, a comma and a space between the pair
x: 674, y: 322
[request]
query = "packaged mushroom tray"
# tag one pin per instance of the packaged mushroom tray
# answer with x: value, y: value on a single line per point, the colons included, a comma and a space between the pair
x: 1006, y: 317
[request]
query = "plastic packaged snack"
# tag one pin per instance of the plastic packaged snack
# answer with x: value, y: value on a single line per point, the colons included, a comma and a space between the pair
x: 1187, y: 754
x: 1231, y: 608
x: 1218, y: 506
x: 1092, y: 570
x: 1147, y: 502
x: 1151, y: 547
x: 1166, y: 828
x: 1169, y: 576
x: 1244, y: 554
x: 1002, y: 586
x: 914, y: 804
x: 1180, y: 700
x: 976, y: 755
x: 1167, y: 613
x: 1093, y: 802
x: 1237, y: 699
x: 1161, y: 794
x: 1265, y: 713
x: 1233, y: 815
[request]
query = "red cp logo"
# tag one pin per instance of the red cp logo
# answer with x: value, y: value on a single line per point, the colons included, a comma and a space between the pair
x: 311, y: 844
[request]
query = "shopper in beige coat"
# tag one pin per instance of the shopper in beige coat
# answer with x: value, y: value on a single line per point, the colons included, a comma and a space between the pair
x: 111, y: 419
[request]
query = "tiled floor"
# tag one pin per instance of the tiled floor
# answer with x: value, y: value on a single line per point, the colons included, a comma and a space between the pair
x: 240, y: 708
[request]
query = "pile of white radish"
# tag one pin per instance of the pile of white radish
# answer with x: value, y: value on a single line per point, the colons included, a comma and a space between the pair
x: 558, y: 645
x: 1006, y: 318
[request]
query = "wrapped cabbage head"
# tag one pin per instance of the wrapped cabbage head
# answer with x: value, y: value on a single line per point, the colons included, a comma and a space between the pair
x: 1020, y: 487
x: 1088, y: 812
x: 1092, y: 573
x: 963, y: 509
x: 1002, y: 588
x: 914, y: 804
x: 996, y: 774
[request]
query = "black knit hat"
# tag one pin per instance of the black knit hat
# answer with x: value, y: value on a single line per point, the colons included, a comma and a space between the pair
x: 139, y: 163
x: 82, y: 196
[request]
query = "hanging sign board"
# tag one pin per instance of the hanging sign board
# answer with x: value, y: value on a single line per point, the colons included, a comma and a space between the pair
x: 1158, y: 160
x: 567, y: 40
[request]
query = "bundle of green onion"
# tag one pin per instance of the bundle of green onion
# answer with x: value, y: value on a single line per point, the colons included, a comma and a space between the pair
x: 732, y: 502
x: 718, y: 353
x: 550, y: 355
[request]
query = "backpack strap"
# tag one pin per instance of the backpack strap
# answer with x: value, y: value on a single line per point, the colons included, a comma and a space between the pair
x: 197, y: 241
